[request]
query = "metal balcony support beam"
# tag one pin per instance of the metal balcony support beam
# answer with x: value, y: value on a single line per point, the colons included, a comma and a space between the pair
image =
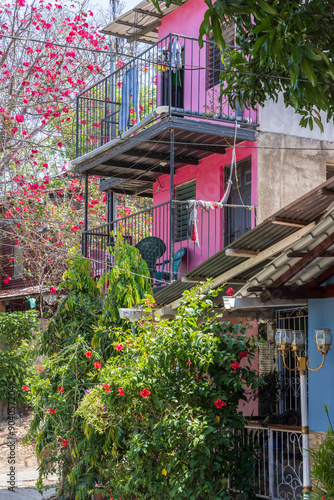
x: 171, y: 208
x: 84, y: 236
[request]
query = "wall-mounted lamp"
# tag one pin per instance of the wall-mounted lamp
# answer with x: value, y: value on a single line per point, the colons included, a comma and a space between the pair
x: 294, y: 340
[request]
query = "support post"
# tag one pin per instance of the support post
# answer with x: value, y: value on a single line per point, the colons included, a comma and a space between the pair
x: 110, y: 217
x: 307, y: 488
x: 84, y: 236
x: 271, y: 462
x: 170, y: 81
x: 171, y: 209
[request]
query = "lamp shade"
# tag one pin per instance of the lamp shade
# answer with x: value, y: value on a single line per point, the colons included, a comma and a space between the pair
x: 283, y: 337
x: 298, y: 338
x: 323, y: 338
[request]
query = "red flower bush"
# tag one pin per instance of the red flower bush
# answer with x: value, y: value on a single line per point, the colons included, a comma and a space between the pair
x: 235, y: 365
x: 107, y: 387
x: 97, y: 365
x: 121, y: 392
x: 230, y: 291
x: 119, y: 347
x: 53, y: 289
x: 19, y: 118
x: 65, y: 443
x: 88, y: 354
x: 60, y: 389
x: 243, y: 354
x: 145, y: 393
x: 25, y: 388
x: 52, y: 411
x: 219, y: 403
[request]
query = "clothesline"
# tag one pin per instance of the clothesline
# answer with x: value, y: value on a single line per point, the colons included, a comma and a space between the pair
x: 205, y: 205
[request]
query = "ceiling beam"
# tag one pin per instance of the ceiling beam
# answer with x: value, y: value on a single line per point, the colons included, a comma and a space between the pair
x: 288, y: 222
x: 237, y: 252
x: 139, y: 166
x: 304, y: 261
x: 326, y: 192
x: 126, y: 23
x: 294, y: 255
x: 160, y: 156
x: 253, y: 261
x: 325, y: 275
x: 289, y: 292
x: 202, y: 147
x: 143, y: 31
x: 147, y: 13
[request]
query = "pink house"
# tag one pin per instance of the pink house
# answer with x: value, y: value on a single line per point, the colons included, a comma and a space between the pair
x: 160, y: 127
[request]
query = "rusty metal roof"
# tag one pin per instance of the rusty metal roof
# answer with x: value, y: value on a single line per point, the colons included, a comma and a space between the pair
x: 140, y: 23
x: 31, y: 290
x: 308, y: 209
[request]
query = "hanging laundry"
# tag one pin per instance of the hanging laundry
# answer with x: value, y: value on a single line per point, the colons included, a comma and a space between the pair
x: 175, y: 55
x: 129, y: 87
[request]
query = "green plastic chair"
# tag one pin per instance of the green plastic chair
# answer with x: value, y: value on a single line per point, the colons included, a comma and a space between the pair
x: 165, y: 275
x: 151, y: 249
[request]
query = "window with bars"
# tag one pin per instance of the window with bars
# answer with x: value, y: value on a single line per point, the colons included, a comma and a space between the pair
x: 183, y: 193
x: 214, y: 59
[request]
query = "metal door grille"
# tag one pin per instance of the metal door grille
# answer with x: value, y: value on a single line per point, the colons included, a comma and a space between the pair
x: 289, y: 397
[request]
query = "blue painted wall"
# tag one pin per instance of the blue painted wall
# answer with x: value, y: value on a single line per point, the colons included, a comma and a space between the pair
x: 321, y: 383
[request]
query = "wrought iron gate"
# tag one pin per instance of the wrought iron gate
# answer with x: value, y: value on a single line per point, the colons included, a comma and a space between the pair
x: 279, y: 470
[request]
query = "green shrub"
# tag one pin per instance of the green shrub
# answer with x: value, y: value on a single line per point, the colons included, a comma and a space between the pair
x: 186, y: 437
x: 16, y: 358
x: 323, y: 466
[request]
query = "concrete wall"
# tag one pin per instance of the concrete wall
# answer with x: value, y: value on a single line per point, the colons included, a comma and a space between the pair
x: 288, y: 167
x: 320, y: 383
x: 275, y: 117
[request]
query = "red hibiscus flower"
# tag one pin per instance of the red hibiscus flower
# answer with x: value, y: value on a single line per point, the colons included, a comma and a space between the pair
x: 25, y: 388
x: 107, y: 387
x: 19, y: 118
x: 74, y: 229
x: 243, y: 354
x: 88, y: 354
x: 121, y: 392
x: 60, y: 389
x: 119, y: 347
x: 53, y: 289
x: 97, y: 365
x: 145, y: 393
x: 65, y: 443
x: 6, y: 280
x: 39, y: 368
x: 230, y: 291
x: 235, y: 365
x: 219, y: 403
x: 189, y: 362
x: 52, y: 411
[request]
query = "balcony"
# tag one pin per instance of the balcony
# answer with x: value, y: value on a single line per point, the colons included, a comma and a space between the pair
x: 172, y: 83
x: 165, y: 235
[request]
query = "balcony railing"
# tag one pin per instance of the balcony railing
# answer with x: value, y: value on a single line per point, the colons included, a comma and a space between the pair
x: 174, y: 73
x: 162, y: 235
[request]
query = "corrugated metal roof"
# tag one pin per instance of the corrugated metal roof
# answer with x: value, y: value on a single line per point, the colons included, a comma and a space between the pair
x: 140, y: 23
x: 308, y: 208
x: 31, y: 290
x: 274, y: 269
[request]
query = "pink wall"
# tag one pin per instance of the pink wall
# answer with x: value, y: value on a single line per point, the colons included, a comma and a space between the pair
x: 185, y: 21
x: 251, y: 407
x: 209, y: 177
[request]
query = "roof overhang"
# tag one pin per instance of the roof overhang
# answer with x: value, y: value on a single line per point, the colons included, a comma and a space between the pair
x: 140, y: 23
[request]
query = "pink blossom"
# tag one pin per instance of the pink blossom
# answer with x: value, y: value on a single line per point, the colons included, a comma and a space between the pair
x: 19, y: 118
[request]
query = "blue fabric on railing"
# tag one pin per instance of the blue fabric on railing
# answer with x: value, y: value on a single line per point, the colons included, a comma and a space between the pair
x: 129, y: 86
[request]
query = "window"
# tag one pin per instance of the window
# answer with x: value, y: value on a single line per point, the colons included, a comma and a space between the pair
x: 183, y: 193
x: 214, y: 59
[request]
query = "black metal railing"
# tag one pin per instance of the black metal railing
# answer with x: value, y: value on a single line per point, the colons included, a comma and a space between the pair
x: 174, y: 73
x: 169, y: 254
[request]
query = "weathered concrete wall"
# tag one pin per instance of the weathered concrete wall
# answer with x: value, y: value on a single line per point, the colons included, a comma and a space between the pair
x: 288, y: 167
x: 275, y: 117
